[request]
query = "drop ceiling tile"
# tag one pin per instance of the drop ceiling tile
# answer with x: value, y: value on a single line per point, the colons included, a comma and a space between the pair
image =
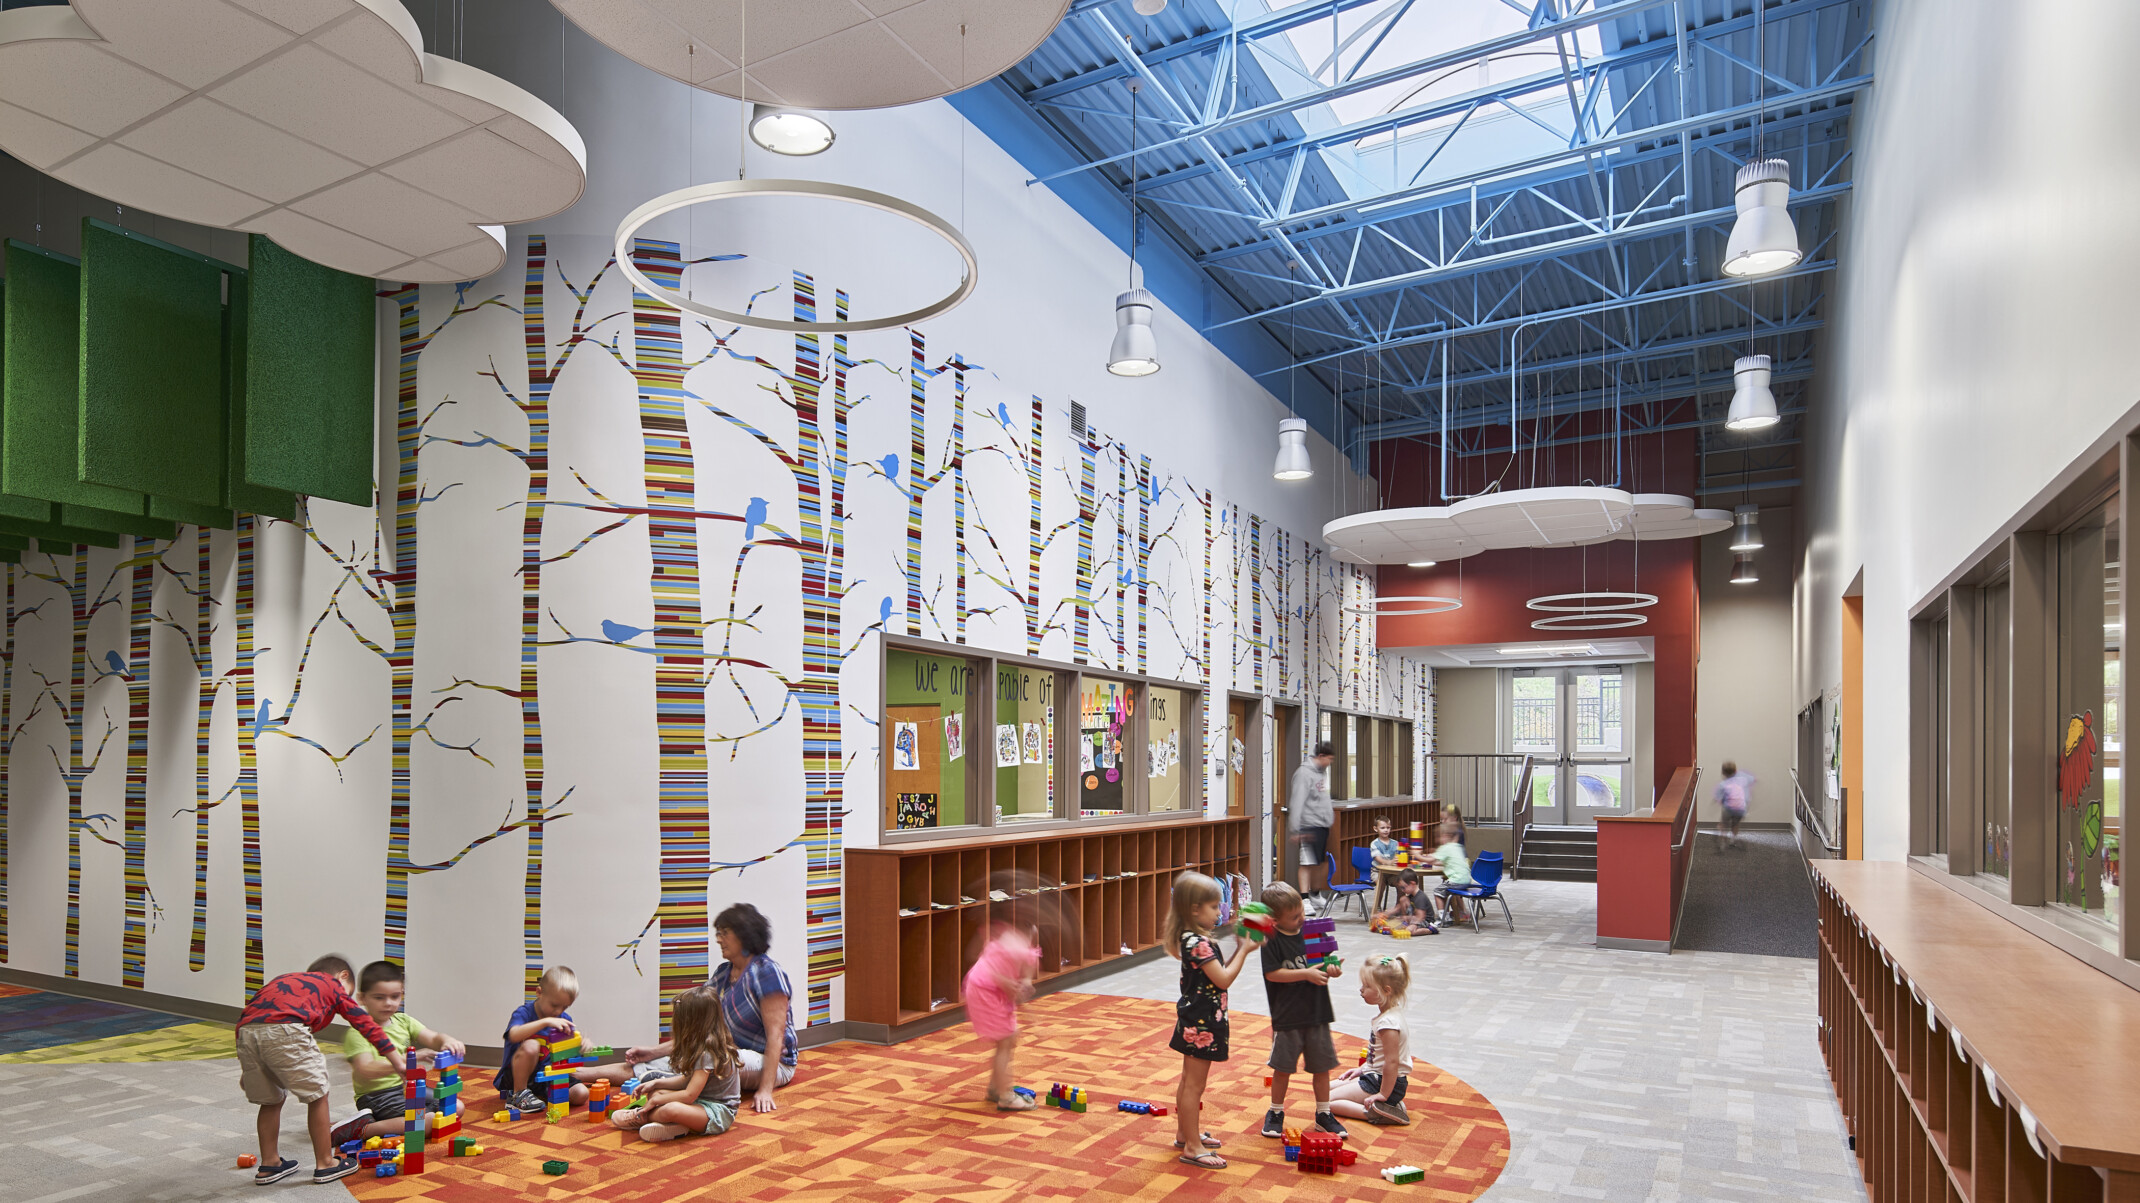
x: 392, y: 213
x: 360, y: 256
x: 234, y: 149
x: 524, y: 135
x: 35, y: 138
x: 326, y: 101
x: 471, y: 260
x: 887, y: 7
x: 98, y: 92
x: 662, y: 42
x: 140, y: 182
x: 775, y: 26
x: 194, y: 44
x: 864, y: 63
x: 484, y: 173
x: 297, y: 16
x: 931, y: 31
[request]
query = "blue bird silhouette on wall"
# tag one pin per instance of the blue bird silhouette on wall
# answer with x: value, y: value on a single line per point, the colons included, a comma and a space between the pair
x: 1003, y: 413
x: 752, y: 517
x: 891, y: 466
x: 617, y: 632
x: 117, y: 665
x: 884, y: 611
x: 263, y: 715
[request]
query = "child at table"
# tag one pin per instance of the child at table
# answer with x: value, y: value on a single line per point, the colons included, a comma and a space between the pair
x: 1385, y: 847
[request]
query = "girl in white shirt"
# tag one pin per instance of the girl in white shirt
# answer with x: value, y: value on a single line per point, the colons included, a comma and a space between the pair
x: 1375, y: 1091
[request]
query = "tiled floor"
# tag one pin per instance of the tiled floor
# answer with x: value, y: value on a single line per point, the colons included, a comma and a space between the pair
x: 1622, y: 1075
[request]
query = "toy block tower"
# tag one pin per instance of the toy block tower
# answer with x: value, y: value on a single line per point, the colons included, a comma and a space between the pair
x: 1319, y: 1152
x: 448, y: 1120
x: 415, y: 1115
x: 1320, y: 936
x: 554, y: 1079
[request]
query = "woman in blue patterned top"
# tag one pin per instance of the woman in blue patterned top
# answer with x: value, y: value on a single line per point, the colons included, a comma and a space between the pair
x: 755, y: 1000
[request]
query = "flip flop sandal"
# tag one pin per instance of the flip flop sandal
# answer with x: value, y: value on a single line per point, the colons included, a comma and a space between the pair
x: 1209, y: 1141
x: 1204, y: 1160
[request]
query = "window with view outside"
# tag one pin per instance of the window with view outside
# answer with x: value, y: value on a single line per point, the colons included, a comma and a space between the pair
x: 927, y: 732
x: 1165, y: 734
x: 1025, y: 722
x: 2084, y: 849
x: 1534, y: 727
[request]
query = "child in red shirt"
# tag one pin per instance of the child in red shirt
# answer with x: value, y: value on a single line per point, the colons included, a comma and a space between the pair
x: 279, y: 1055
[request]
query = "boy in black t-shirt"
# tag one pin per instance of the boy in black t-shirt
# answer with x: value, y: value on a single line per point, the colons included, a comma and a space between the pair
x: 1299, y: 997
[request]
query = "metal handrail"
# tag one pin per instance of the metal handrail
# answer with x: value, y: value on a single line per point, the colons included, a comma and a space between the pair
x: 1811, y: 817
x: 1519, y: 818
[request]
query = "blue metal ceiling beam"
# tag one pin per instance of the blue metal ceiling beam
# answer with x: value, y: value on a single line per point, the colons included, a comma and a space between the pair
x: 1564, y: 404
x: 1275, y: 22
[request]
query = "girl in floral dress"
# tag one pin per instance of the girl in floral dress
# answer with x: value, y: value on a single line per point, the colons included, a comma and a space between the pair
x: 1200, y: 1024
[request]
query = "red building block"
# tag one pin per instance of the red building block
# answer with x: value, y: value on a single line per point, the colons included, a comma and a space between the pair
x: 1319, y: 1152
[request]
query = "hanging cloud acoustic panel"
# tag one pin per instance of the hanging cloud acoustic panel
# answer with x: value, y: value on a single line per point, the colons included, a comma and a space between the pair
x: 322, y: 124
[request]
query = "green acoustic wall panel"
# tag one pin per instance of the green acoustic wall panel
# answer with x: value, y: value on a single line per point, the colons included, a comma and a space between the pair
x: 14, y: 542
x: 10, y: 505
x: 209, y: 516
x: 86, y: 517
x: 152, y: 367
x: 50, y: 534
x: 308, y: 394
x: 40, y: 385
x: 237, y: 324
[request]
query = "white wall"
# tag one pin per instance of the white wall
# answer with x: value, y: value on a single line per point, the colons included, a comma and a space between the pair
x: 1470, y: 704
x: 1979, y: 326
x: 1742, y: 686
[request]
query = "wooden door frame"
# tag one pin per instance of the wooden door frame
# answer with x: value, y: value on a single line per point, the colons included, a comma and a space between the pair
x: 1285, y: 757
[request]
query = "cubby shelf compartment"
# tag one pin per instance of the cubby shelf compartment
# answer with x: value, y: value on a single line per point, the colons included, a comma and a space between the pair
x: 1957, y: 1044
x: 916, y: 912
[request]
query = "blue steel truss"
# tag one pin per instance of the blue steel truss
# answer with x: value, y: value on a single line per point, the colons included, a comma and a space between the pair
x: 1544, y: 245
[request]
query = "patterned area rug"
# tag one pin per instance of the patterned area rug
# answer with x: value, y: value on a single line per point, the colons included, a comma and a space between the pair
x: 867, y: 1123
x: 39, y: 1026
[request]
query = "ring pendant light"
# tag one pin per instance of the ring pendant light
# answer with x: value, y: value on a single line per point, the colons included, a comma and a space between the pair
x: 1595, y: 601
x: 1418, y: 604
x: 1596, y: 621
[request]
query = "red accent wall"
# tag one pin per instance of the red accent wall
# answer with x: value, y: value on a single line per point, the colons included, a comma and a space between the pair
x: 1496, y: 584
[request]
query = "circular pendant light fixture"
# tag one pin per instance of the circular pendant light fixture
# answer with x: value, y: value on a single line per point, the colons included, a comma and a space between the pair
x: 1293, y: 462
x: 1746, y: 528
x: 790, y: 131
x: 1135, y: 352
x: 1600, y: 621
x: 1753, y: 406
x: 1149, y: 8
x: 729, y: 190
x: 1395, y: 607
x: 1595, y: 601
x: 1742, y: 569
x: 1763, y: 240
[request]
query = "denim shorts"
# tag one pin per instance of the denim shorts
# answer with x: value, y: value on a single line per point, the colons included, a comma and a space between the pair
x: 1372, y: 1082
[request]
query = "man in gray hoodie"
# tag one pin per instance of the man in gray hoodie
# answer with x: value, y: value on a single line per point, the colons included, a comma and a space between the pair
x: 1311, y: 813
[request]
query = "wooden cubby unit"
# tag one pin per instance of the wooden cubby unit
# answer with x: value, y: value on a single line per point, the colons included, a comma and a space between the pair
x: 1095, y: 894
x: 1972, y: 1060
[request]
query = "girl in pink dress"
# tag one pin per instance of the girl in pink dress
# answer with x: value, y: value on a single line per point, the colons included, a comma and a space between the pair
x: 1001, y: 978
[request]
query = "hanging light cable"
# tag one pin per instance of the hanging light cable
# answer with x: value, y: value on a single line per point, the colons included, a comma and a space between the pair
x: 1763, y: 240
x: 1135, y: 352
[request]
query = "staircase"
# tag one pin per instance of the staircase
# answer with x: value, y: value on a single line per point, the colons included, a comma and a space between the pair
x: 1560, y: 854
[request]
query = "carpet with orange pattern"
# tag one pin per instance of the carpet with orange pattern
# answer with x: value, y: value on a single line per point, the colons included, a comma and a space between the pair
x: 866, y: 1123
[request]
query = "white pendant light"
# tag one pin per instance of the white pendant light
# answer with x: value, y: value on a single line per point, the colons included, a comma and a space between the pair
x: 1149, y: 8
x: 1753, y: 406
x: 1419, y: 564
x: 1293, y: 462
x: 1763, y: 240
x: 1742, y: 569
x: 790, y: 131
x: 1746, y: 528
x: 1135, y: 351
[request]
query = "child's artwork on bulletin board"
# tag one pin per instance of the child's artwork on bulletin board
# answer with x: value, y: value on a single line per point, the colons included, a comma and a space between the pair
x: 1007, y: 751
x: 916, y: 810
x: 954, y: 737
x: 906, y: 747
x: 1035, y: 752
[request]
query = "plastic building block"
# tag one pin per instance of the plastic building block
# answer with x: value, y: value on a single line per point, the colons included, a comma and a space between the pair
x: 1257, y: 922
x: 1363, y: 1054
x: 1158, y: 1109
x: 1332, y: 962
x: 1404, y: 1173
x: 554, y: 1168
x: 352, y: 1146
x: 1132, y: 1105
x: 373, y: 1143
x: 502, y: 1116
x: 446, y: 1059
x: 1026, y: 1091
x: 384, y: 1171
x: 247, y: 1161
x: 557, y: 1111
x: 412, y: 1162
x: 1069, y: 1098
x: 1292, y: 1152
x: 1319, y: 1152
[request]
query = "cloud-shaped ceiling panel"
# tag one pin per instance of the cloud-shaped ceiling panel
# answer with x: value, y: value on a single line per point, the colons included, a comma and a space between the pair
x: 822, y: 54
x: 320, y: 123
x: 1550, y: 517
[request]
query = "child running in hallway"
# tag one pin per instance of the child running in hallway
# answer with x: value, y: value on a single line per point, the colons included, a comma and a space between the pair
x: 701, y: 1100
x: 1299, y: 996
x: 1001, y: 979
x: 378, y: 1085
x: 1200, y: 1023
x: 1375, y: 1091
x: 279, y: 1055
x: 541, y: 1016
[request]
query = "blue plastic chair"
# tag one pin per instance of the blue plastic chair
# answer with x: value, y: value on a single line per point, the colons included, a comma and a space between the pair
x: 1363, y: 880
x: 1485, y: 884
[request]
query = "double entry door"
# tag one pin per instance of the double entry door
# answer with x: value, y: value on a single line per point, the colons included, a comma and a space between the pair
x: 1577, y: 725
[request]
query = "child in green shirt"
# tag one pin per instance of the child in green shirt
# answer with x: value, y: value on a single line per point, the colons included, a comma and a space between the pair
x: 377, y: 1084
x: 1456, y: 870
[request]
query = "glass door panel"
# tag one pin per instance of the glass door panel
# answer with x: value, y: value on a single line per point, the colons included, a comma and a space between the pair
x: 1599, y: 781
x: 1535, y: 730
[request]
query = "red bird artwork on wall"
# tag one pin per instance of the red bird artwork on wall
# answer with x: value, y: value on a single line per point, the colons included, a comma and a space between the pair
x: 2076, y: 765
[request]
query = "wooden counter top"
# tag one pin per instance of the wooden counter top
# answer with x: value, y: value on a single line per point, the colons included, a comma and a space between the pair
x: 2062, y: 1038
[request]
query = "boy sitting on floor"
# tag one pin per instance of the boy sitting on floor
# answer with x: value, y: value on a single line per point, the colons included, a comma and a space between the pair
x: 378, y: 1085
x: 1413, y: 911
x: 539, y: 1017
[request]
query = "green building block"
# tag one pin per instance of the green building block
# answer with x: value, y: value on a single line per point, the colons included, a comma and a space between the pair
x: 554, y: 1168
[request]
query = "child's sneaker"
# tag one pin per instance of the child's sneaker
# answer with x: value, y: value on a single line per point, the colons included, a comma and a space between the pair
x: 1327, y: 1122
x: 1274, y: 1123
x: 629, y: 1119
x: 1389, y: 1114
x: 342, y: 1168
x: 275, y: 1173
x: 524, y: 1100
x: 349, y: 1129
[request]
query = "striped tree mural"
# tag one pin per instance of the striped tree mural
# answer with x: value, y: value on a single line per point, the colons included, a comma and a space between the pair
x: 141, y: 907
x: 199, y: 638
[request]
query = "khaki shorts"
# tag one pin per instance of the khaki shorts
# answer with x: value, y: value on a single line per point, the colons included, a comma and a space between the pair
x: 274, y: 1058
x: 1291, y: 1047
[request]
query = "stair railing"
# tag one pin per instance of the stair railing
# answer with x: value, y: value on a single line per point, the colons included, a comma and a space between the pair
x: 1519, y: 809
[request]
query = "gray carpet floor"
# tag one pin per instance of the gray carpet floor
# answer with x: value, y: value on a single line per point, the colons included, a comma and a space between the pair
x: 1750, y: 897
